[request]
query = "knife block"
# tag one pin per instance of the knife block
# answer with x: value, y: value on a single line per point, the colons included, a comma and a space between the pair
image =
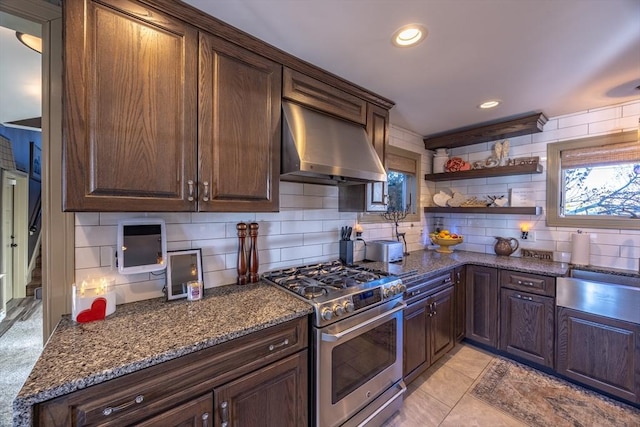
x: 346, y: 252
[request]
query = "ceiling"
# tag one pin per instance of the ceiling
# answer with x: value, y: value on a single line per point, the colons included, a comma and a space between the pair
x: 551, y: 56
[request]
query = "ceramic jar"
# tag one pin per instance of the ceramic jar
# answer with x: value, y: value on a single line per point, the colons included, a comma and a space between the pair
x: 440, y: 158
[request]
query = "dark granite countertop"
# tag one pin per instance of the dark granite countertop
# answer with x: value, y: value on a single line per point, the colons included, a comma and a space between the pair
x: 427, y: 261
x: 146, y: 333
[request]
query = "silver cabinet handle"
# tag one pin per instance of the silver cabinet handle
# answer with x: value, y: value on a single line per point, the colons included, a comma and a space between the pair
x: 224, y: 414
x: 111, y: 409
x: 521, y: 297
x: 190, y: 195
x: 205, y: 419
x: 414, y: 293
x: 282, y: 344
x: 520, y: 282
x: 205, y: 196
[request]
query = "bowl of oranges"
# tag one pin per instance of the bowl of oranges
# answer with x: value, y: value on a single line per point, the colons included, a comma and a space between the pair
x: 445, y: 240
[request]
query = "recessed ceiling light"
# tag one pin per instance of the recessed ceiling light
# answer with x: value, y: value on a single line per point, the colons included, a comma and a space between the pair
x: 489, y: 104
x: 409, y: 35
x: 32, y: 42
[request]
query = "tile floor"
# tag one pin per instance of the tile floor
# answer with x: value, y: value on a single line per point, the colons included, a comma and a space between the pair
x: 441, y: 396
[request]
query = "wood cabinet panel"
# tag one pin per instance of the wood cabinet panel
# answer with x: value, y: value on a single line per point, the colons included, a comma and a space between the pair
x: 273, y: 396
x: 441, y: 323
x: 195, y: 413
x: 129, y: 128
x: 527, y: 326
x: 238, y: 128
x: 600, y: 352
x: 527, y: 282
x: 482, y: 305
x: 323, y: 97
x: 459, y: 290
x: 415, y: 340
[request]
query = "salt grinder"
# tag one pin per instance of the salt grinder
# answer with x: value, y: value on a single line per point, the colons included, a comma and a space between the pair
x: 242, y: 256
x: 254, y: 265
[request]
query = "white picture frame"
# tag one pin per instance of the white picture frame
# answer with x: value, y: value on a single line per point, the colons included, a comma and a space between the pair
x: 183, y: 266
x: 522, y: 197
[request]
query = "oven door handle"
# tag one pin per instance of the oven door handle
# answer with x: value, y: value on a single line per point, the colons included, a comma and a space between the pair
x: 340, y: 335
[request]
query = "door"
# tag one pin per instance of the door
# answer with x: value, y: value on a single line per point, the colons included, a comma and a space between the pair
x: 415, y: 339
x: 272, y: 396
x: 441, y: 324
x: 239, y: 109
x: 482, y: 305
x: 130, y: 101
x: 14, y: 236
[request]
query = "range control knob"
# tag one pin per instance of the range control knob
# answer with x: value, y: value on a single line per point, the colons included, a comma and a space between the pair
x: 348, y: 306
x: 326, y: 314
x: 394, y: 289
x: 338, y: 310
x: 401, y: 288
x: 387, y: 292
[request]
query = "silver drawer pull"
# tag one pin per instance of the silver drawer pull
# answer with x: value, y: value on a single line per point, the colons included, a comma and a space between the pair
x: 224, y: 414
x: 111, y: 409
x: 205, y: 419
x: 520, y: 282
x: 282, y: 344
x: 414, y: 293
x: 205, y: 197
x: 521, y: 297
x: 190, y: 195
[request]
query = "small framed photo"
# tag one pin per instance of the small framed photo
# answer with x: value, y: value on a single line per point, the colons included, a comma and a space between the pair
x: 35, y: 169
x: 182, y: 267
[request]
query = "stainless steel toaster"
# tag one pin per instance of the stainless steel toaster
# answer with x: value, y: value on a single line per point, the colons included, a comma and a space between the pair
x: 383, y: 251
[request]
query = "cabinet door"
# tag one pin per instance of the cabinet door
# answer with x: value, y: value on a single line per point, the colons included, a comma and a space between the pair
x: 415, y: 340
x: 482, y: 305
x: 600, y: 352
x: 378, y: 133
x: 440, y: 329
x: 275, y: 395
x: 238, y: 129
x: 194, y: 413
x: 459, y: 291
x: 130, y: 99
x: 526, y: 326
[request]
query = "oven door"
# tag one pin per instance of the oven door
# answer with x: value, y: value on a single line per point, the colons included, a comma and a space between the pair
x: 357, y: 359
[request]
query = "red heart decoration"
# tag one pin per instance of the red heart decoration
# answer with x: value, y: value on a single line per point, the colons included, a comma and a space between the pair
x: 97, y: 311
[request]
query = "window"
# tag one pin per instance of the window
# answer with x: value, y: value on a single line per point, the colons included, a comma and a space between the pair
x: 594, y: 182
x: 402, y: 190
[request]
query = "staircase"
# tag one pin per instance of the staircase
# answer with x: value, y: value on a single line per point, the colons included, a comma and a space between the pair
x: 34, y: 287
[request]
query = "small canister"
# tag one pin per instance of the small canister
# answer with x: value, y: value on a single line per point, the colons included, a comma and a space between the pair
x: 194, y: 290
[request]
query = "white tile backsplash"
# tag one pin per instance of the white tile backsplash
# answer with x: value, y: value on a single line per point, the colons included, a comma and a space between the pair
x: 307, y: 228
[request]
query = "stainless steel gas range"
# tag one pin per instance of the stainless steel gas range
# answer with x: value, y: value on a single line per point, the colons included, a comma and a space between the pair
x: 357, y: 341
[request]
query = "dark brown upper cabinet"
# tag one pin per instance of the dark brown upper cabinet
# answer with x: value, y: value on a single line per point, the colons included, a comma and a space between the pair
x: 130, y: 119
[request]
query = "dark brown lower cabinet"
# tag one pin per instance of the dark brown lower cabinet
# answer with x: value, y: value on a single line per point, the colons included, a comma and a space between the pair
x: 527, y: 326
x: 195, y: 413
x: 460, y: 295
x: 482, y: 305
x: 600, y: 352
x: 428, y: 332
x: 274, y: 396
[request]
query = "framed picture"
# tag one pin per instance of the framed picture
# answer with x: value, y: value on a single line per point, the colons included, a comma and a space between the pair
x: 182, y: 267
x: 35, y: 170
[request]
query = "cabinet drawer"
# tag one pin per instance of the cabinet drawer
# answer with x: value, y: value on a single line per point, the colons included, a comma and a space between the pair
x: 527, y: 282
x: 422, y: 287
x: 321, y: 96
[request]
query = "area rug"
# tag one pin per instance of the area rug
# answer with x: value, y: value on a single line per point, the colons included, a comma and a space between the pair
x: 541, y: 400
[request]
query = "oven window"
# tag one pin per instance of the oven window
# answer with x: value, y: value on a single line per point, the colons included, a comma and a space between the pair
x: 360, y: 359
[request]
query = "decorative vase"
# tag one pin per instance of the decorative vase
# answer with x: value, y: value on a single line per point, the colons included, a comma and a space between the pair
x: 439, y: 160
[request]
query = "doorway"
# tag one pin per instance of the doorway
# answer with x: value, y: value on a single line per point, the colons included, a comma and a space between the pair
x: 15, y: 194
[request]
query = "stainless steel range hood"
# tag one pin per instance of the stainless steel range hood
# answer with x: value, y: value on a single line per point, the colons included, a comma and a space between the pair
x: 320, y: 149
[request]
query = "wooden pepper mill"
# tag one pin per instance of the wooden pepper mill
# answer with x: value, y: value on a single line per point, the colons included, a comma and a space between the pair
x: 242, y: 255
x: 254, y: 264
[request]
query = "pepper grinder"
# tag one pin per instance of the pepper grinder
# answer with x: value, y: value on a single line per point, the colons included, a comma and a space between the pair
x: 254, y: 277
x: 242, y: 256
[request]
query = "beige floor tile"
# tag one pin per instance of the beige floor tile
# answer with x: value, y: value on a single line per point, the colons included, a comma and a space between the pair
x: 472, y: 412
x: 468, y: 360
x: 419, y: 409
x: 445, y: 384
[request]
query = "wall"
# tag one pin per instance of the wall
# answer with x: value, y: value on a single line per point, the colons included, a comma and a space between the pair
x: 305, y: 231
x: 609, y: 247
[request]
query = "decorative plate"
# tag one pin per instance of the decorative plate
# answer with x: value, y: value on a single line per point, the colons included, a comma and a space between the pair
x: 457, y: 200
x: 441, y: 199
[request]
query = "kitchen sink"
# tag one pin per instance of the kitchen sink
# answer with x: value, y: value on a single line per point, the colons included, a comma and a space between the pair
x: 603, y: 294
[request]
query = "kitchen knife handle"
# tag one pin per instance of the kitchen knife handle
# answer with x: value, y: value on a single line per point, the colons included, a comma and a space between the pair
x: 190, y: 196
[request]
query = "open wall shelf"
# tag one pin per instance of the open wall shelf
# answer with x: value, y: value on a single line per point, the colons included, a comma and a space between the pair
x: 486, y: 172
x: 526, y: 210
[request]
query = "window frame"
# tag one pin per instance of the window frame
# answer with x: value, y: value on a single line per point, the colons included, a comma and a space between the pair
x: 376, y: 217
x: 554, y: 186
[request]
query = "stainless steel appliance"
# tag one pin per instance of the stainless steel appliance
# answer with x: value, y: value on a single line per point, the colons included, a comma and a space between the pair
x: 384, y: 251
x: 357, y: 341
